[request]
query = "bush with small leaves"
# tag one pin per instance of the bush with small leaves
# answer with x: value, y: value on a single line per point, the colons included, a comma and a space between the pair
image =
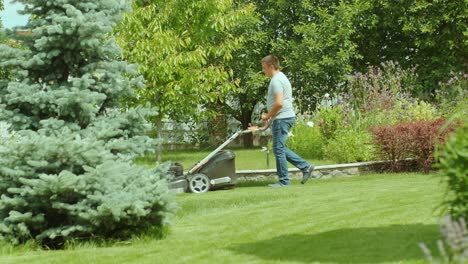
x: 453, y: 162
x: 350, y: 145
x: 410, y: 140
x: 329, y: 120
x: 306, y: 140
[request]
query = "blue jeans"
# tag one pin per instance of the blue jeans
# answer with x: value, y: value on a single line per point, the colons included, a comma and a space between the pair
x: 280, y: 131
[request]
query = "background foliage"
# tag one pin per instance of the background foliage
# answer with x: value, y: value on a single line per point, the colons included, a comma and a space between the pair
x: 206, y: 55
x: 182, y: 48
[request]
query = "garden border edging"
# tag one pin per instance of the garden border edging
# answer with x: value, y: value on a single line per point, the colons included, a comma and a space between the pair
x: 324, y: 171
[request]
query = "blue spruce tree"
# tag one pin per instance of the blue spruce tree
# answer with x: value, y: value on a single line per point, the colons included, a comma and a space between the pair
x: 66, y: 141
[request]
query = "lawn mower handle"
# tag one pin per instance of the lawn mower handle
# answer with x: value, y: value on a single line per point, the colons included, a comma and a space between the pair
x: 229, y: 140
x: 265, y: 126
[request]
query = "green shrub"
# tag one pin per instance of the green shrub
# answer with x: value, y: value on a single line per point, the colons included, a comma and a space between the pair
x: 375, y: 118
x: 329, y: 120
x: 307, y: 141
x: 453, y: 162
x: 58, y: 188
x: 406, y: 110
x: 403, y: 110
x: 350, y: 145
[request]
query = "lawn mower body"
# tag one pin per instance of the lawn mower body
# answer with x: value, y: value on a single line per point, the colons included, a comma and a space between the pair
x: 217, y: 173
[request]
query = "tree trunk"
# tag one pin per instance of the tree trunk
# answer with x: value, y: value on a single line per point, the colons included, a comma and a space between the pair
x: 159, y: 144
x: 218, y: 129
x: 247, y: 138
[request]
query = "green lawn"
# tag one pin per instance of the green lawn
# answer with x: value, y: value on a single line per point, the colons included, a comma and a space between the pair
x: 246, y: 159
x: 366, y: 219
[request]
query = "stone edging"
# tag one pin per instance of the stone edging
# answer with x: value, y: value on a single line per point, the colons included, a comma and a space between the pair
x: 325, y: 171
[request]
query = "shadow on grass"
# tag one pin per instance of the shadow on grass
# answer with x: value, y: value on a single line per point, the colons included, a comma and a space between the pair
x: 359, y: 245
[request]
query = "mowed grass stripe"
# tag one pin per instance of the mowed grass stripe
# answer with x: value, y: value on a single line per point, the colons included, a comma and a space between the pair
x: 365, y: 219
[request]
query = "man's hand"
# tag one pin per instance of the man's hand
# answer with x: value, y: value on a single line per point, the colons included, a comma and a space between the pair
x: 252, y: 128
x: 265, y: 117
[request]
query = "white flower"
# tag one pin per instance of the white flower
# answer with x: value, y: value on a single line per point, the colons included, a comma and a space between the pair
x: 310, y: 124
x: 327, y: 95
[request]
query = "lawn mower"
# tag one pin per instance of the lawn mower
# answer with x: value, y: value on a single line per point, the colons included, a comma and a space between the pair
x: 215, y: 171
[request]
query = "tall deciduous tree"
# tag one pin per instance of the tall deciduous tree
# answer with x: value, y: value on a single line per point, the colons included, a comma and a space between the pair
x: 66, y: 165
x: 430, y: 35
x: 2, y: 7
x: 247, y: 76
x: 182, y: 48
x: 320, y: 57
x: 440, y: 33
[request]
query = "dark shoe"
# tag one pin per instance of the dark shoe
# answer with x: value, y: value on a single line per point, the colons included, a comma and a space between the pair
x: 307, y: 173
x: 278, y: 184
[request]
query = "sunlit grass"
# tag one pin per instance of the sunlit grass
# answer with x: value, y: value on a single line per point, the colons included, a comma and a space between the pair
x: 366, y: 219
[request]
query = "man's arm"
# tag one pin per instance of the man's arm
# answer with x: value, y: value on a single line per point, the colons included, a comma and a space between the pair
x: 277, y: 105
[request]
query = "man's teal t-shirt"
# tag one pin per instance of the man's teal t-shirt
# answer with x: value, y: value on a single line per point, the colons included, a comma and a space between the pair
x: 280, y: 83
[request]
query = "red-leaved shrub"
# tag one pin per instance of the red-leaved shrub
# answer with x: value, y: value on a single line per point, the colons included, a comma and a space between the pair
x: 410, y: 140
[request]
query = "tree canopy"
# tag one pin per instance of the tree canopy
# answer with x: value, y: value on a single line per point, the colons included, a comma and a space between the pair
x: 183, y: 49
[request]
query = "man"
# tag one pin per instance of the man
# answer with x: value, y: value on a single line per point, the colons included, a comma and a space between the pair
x: 281, y: 113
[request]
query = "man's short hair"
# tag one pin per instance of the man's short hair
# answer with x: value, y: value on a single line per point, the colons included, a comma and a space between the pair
x: 271, y: 60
